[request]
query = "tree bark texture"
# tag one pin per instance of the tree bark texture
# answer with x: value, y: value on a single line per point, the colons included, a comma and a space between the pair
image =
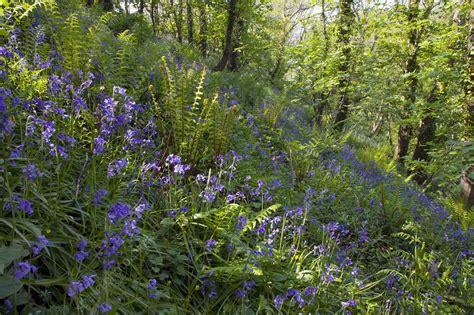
x: 190, y: 22
x: 228, y: 53
x: 405, y: 129
x: 426, y: 135
x: 203, y: 29
x: 344, y: 39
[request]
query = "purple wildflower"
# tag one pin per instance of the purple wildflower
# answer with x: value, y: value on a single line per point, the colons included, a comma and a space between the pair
x: 210, y: 244
x: 116, y: 167
x: 173, y: 159
x: 279, y: 300
x: 152, y: 285
x: 32, y: 172
x: 80, y: 255
x: 364, y: 235
x: 310, y: 291
x: 5, y: 53
x: 201, y: 178
x: 99, y: 143
x: 242, y: 222
x: 130, y: 228
x: 37, y: 248
x: 8, y: 305
x: 348, y: 303
x: 139, y: 210
x: 119, y: 90
x: 240, y: 293
x: 118, y: 211
x: 104, y: 308
x: 208, y: 196
x: 98, y: 196
x: 76, y: 287
x: 23, y: 269
x: 25, y: 206
x: 181, y: 168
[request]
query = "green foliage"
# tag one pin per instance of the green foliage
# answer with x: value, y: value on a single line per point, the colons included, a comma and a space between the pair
x: 188, y: 117
x: 271, y: 215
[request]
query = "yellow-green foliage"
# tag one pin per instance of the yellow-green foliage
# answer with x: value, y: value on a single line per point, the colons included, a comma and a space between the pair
x: 193, y: 124
x: 271, y: 113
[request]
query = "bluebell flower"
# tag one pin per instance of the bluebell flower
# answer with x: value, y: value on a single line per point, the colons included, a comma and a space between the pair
x: 310, y: 291
x: 109, y: 263
x: 99, y: 144
x: 210, y: 244
x: 54, y: 84
x: 292, y: 292
x: 208, y: 196
x: 139, y: 210
x: 173, y: 159
x: 391, y: 281
x: 32, y: 172
x: 208, y: 287
x: 98, y: 196
x: 118, y: 211
x: 130, y: 228
x: 8, y: 306
x: 5, y: 53
x: 248, y: 285
x: 364, y: 235
x: 76, y: 287
x: 23, y: 269
x: 108, y: 106
x: 25, y: 206
x: 37, y: 248
x: 171, y: 214
x: 116, y: 167
x: 230, y: 248
x: 348, y: 303
x: 80, y: 255
x: 279, y: 300
x: 79, y: 103
x: 152, y: 285
x: 104, y: 308
x: 241, y: 223
x: 240, y: 293
x: 201, y: 178
x: 181, y: 168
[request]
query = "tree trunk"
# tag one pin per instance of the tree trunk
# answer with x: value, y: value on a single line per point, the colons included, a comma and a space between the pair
x: 323, y: 95
x: 344, y: 38
x: 153, y: 15
x: 470, y: 79
x: 178, y: 19
x: 203, y: 29
x: 141, y: 6
x: 107, y: 5
x: 320, y: 108
x: 467, y: 184
x: 127, y: 9
x: 426, y: 135
x: 405, y: 129
x: 189, y: 17
x: 228, y: 47
x: 234, y: 62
